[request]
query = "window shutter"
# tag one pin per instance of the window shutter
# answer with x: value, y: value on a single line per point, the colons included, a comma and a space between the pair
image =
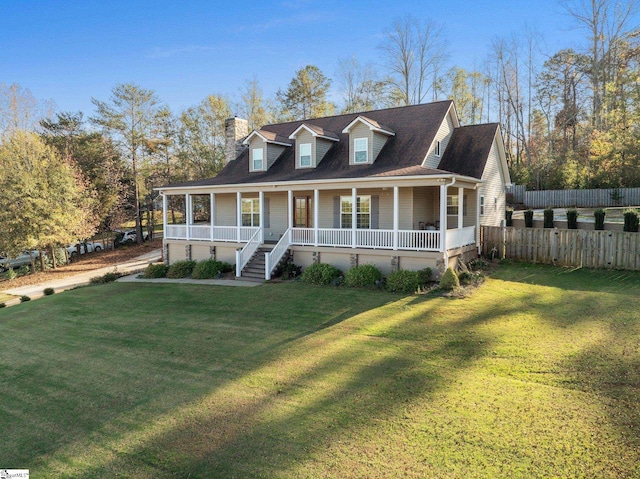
x: 375, y: 212
x: 336, y: 212
x: 266, y: 213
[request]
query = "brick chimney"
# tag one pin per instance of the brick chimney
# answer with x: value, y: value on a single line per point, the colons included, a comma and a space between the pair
x: 235, y: 130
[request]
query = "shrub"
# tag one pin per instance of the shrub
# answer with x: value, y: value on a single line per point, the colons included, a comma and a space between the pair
x: 572, y: 219
x: 290, y: 270
x: 24, y: 299
x: 48, y: 291
x: 631, y: 221
x: 181, y: 269
x: 207, y: 269
x: 363, y: 276
x: 449, y: 280
x: 528, y: 218
x: 548, y: 218
x: 508, y: 215
x: 321, y: 273
x: 106, y: 278
x: 158, y: 270
x: 403, y: 281
x: 3, y: 305
x: 424, y: 276
x: 599, y: 215
x: 227, y: 268
x: 11, y: 274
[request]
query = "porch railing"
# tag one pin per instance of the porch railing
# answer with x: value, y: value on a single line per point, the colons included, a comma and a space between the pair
x: 272, y: 257
x: 244, y: 255
x: 204, y: 233
x: 376, y: 239
x: 457, y: 238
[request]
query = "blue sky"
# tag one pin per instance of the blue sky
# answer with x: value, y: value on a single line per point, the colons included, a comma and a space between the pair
x: 71, y: 50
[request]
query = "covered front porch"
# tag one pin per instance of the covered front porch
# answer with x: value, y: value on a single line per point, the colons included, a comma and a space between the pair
x: 431, y: 218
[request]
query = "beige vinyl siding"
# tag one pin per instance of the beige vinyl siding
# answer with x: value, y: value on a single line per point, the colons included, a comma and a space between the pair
x: 420, y: 207
x: 471, y: 206
x: 278, y: 217
x: 443, y: 135
x: 255, y: 143
x: 225, y: 210
x: 360, y: 131
x: 273, y: 152
x: 493, y: 188
x: 305, y: 137
x: 322, y: 146
x: 378, y: 142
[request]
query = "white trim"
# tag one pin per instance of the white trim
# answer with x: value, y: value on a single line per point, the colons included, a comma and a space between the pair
x: 253, y: 159
x: 481, y: 206
x: 356, y: 151
x: 300, y: 165
x: 460, y: 207
x: 330, y: 183
x: 293, y: 135
x: 396, y: 216
x: 247, y: 140
x: 371, y: 127
x: 316, y: 214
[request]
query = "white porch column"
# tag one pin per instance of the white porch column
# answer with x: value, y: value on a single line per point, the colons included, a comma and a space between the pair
x: 290, y: 208
x: 396, y: 216
x: 443, y: 217
x: 354, y: 216
x: 477, y: 190
x: 261, y: 220
x: 316, y: 209
x: 460, y: 207
x: 212, y: 216
x: 165, y: 205
x: 189, y: 213
x: 238, y: 214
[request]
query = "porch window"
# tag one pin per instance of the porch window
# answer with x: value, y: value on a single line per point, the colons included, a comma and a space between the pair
x: 305, y: 154
x: 258, y: 158
x: 361, y: 150
x: 250, y: 212
x: 452, y: 205
x: 363, y: 212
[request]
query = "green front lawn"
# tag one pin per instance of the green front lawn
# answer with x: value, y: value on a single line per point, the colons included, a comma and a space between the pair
x: 537, y: 374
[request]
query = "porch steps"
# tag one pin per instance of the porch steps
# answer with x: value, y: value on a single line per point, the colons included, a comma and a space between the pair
x: 254, y: 270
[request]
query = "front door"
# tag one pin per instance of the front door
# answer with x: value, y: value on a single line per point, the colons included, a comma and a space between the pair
x: 301, y: 212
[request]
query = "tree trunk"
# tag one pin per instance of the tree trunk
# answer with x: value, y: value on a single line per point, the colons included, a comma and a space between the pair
x: 53, y: 257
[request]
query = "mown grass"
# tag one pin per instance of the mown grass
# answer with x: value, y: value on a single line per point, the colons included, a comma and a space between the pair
x: 537, y: 374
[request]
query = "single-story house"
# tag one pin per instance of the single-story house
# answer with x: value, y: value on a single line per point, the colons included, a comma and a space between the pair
x: 404, y: 187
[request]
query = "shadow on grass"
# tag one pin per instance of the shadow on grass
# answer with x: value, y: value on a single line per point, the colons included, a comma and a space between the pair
x: 571, y: 278
x: 349, y: 380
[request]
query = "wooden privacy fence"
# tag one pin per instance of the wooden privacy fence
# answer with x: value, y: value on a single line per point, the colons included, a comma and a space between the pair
x: 582, y: 198
x: 581, y: 248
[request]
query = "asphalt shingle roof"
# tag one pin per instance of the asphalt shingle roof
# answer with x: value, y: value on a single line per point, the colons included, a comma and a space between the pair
x: 402, y: 155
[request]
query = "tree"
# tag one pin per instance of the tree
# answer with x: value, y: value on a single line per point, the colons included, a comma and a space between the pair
x: 201, y: 138
x: 252, y: 105
x: 413, y: 55
x: 97, y: 158
x: 306, y: 96
x: 20, y: 110
x: 45, y: 199
x: 127, y: 118
x: 360, y: 87
x: 466, y: 91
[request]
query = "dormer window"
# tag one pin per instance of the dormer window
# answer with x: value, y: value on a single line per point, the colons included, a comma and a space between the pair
x: 258, y: 159
x: 361, y: 150
x: 305, y: 154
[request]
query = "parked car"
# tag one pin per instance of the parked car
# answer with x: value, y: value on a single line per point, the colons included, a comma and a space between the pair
x: 21, y: 260
x: 87, y: 246
x: 128, y: 237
